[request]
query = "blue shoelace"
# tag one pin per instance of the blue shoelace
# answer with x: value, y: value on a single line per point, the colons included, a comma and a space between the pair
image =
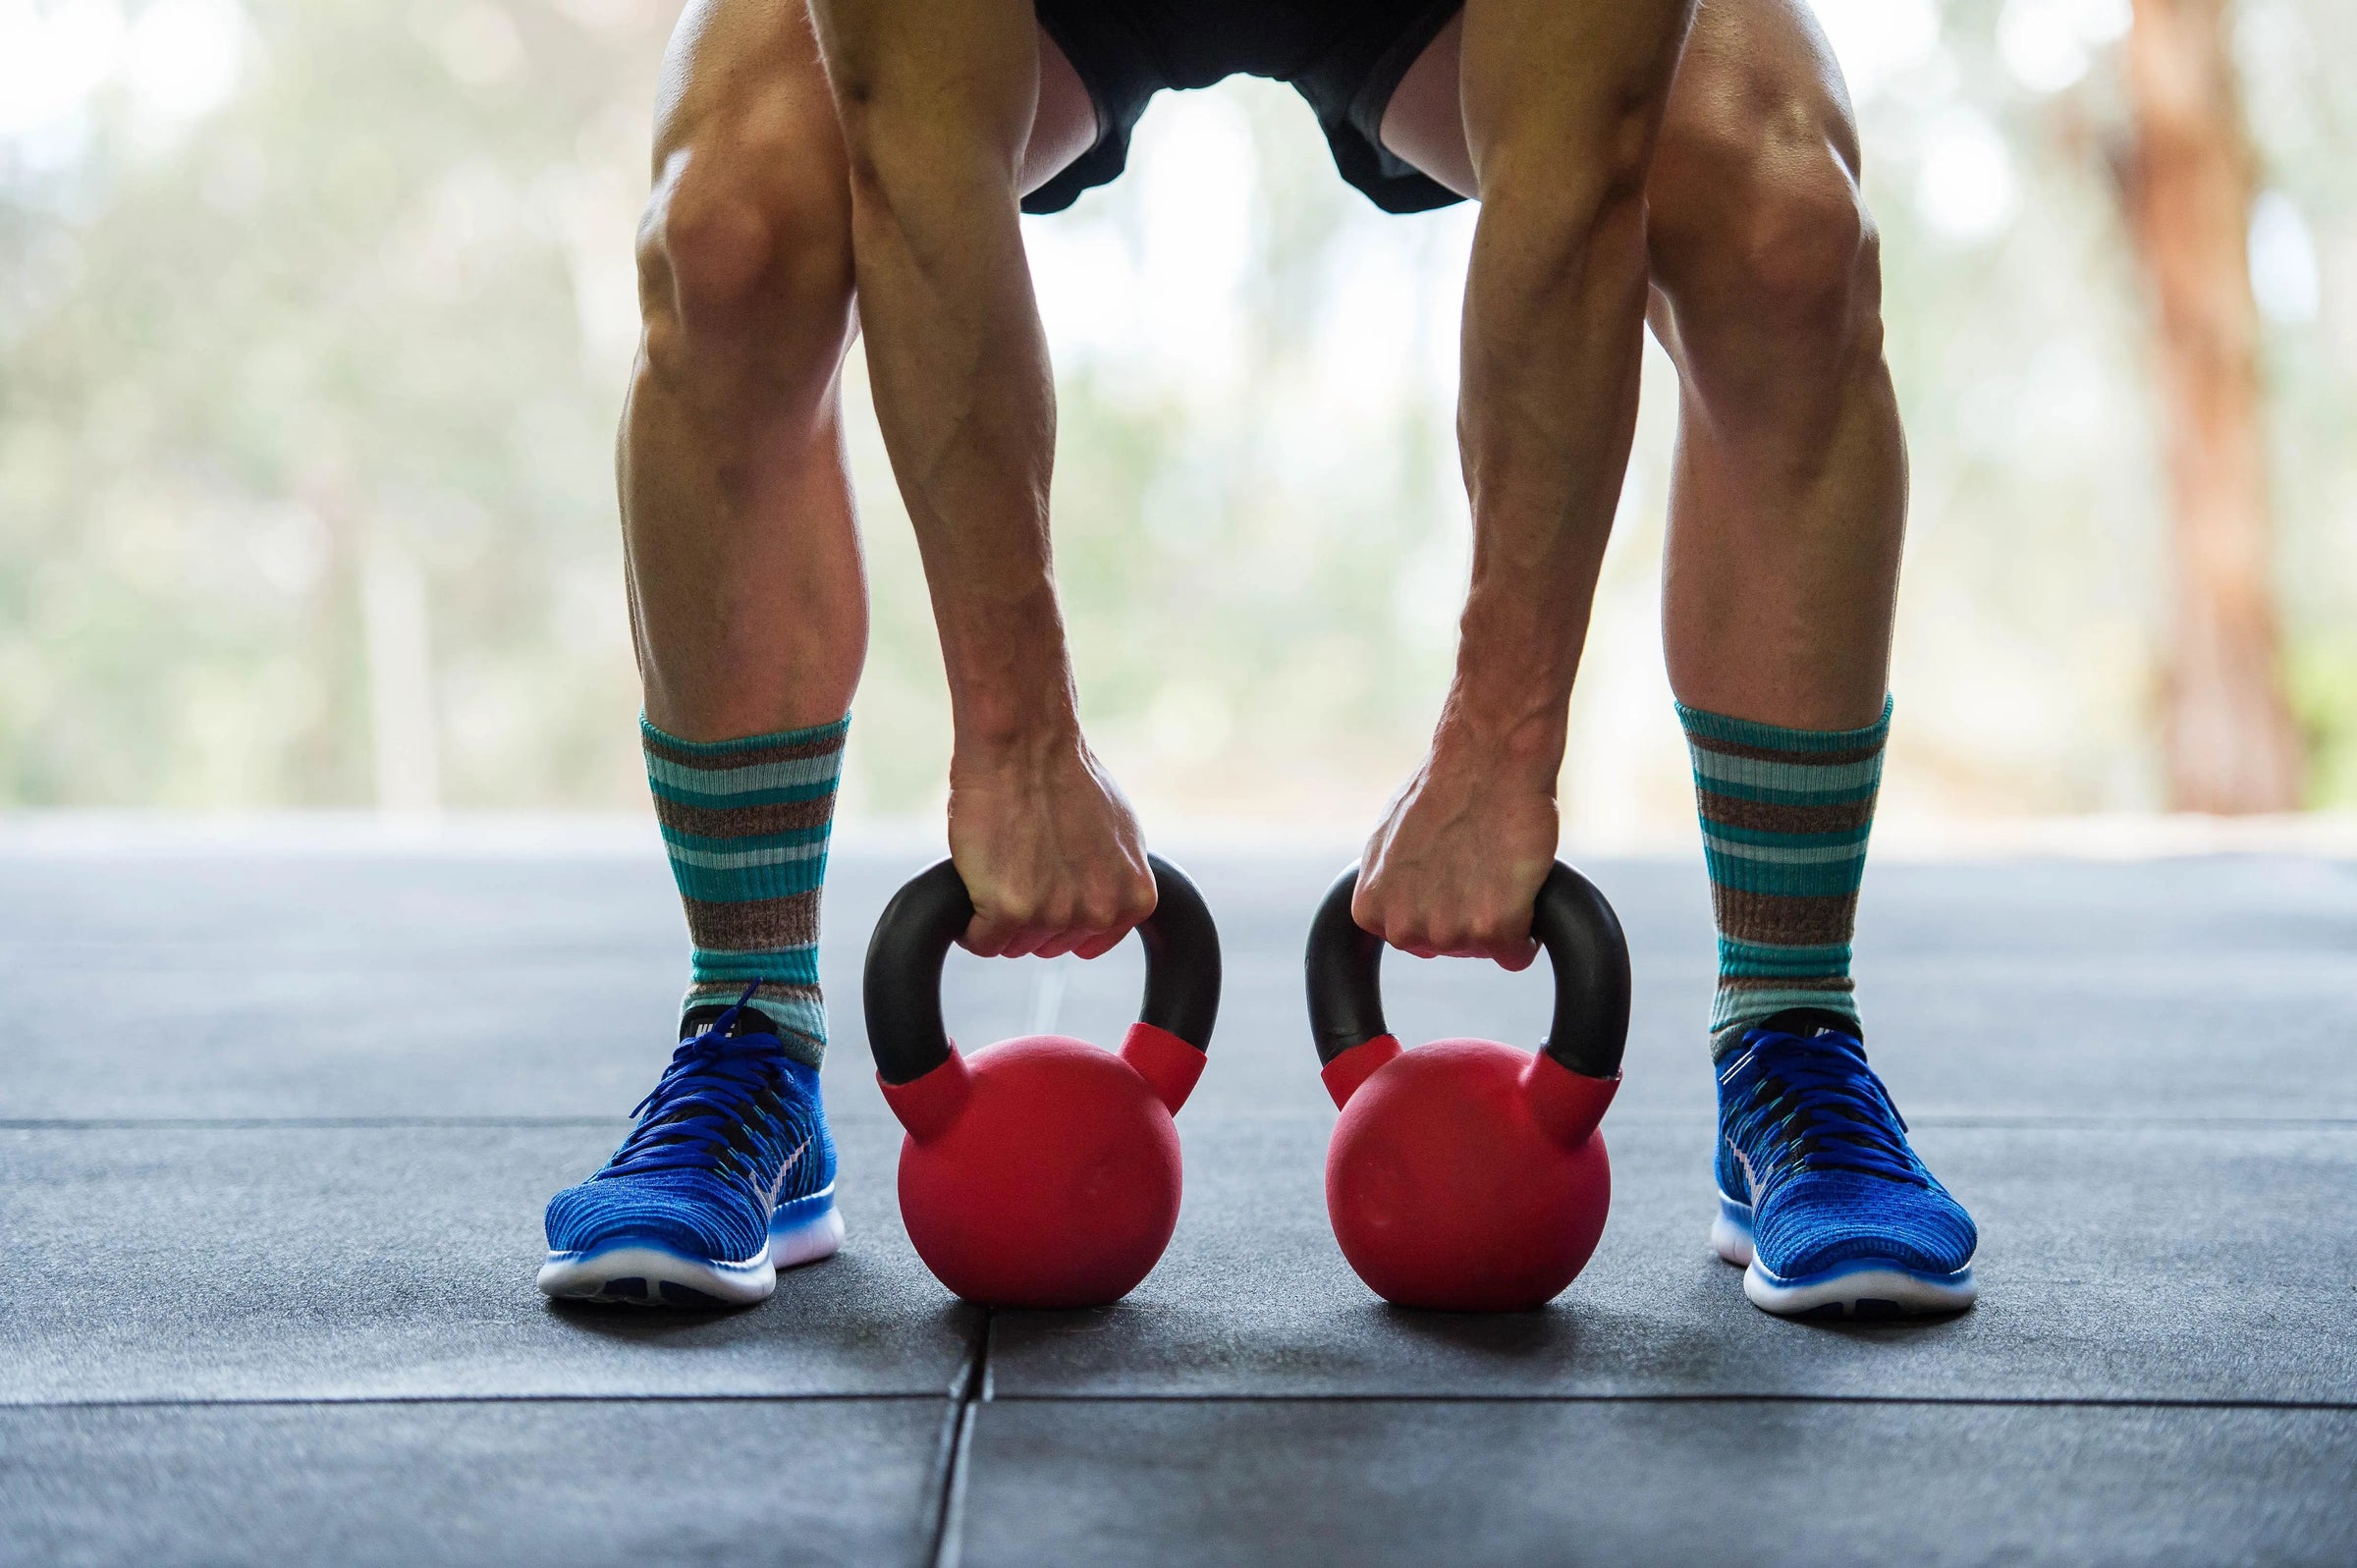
x: 1821, y: 1107
x: 703, y: 1114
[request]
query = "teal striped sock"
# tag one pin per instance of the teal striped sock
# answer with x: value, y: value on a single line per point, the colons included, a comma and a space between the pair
x: 1786, y: 814
x: 745, y: 823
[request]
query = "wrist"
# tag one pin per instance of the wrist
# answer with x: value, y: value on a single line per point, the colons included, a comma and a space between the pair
x: 1014, y: 738
x: 1006, y: 734
x: 1509, y: 705
x: 1518, y: 746
x: 1010, y: 682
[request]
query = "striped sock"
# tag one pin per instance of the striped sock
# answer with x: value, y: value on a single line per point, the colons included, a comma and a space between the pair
x: 745, y: 823
x: 1785, y: 818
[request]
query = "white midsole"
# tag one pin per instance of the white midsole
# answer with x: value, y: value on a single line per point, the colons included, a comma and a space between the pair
x: 820, y: 1236
x: 1730, y: 1240
x: 1903, y: 1288
x: 587, y: 1274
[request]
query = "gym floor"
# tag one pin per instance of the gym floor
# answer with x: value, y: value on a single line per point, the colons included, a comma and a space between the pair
x: 279, y: 1114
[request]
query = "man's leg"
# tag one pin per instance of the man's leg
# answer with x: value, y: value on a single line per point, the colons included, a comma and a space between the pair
x: 749, y: 614
x: 1785, y: 526
x: 1783, y: 563
x: 1789, y: 500
x: 747, y: 602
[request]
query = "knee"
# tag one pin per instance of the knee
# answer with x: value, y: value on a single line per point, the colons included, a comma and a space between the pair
x: 1762, y: 232
x: 743, y: 236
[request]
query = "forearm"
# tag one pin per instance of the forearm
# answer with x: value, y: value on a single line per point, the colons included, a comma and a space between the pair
x: 1553, y: 341
x: 1548, y: 405
x: 963, y: 393
x: 956, y: 353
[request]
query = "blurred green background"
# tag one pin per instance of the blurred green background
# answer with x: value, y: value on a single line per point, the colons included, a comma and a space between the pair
x: 316, y: 317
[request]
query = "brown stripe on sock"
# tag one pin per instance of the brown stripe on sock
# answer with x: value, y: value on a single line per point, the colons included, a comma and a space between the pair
x: 751, y: 757
x: 1840, y: 985
x: 758, y: 926
x: 1810, y: 759
x: 1779, y: 918
x: 744, y: 821
x: 1766, y: 816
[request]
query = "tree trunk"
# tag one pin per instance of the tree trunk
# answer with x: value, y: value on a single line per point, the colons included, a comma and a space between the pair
x: 2231, y: 740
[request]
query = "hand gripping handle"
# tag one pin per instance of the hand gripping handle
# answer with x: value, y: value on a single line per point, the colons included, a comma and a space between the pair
x: 902, y: 988
x: 1585, y: 948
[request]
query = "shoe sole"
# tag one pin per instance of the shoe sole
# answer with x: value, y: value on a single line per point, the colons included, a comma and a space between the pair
x: 640, y: 1272
x: 1862, y: 1287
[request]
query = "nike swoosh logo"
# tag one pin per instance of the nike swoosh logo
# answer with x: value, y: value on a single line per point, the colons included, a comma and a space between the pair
x: 791, y: 1160
x: 1751, y: 1182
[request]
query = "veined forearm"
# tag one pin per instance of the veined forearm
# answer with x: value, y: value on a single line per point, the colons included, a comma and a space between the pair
x: 955, y: 344
x: 936, y: 98
x: 1562, y: 106
x: 963, y: 392
x: 1553, y: 314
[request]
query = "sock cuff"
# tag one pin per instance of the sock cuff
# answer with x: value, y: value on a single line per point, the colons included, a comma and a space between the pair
x: 1704, y: 727
x: 1785, y: 818
x: 745, y: 823
x: 816, y: 738
x: 1725, y: 1036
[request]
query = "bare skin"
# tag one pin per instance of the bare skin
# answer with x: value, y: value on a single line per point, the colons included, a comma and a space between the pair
x: 748, y: 600
x: 1789, y: 500
x: 747, y: 595
x: 939, y: 102
x: 936, y: 100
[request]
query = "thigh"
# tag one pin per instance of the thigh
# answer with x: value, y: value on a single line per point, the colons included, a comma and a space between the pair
x: 1749, y: 67
x: 744, y: 78
x: 1758, y: 102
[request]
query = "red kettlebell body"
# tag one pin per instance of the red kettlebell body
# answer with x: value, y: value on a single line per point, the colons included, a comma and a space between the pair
x: 1044, y: 1172
x: 1468, y: 1175
x: 1465, y: 1174
x: 1040, y: 1172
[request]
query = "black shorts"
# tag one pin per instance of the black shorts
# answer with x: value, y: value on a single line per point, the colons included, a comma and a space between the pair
x: 1345, y: 56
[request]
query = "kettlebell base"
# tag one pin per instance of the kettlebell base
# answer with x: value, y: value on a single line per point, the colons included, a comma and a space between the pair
x: 1469, y: 1303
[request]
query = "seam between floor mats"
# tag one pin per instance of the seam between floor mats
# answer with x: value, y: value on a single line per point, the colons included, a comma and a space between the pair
x: 301, y: 1401
x: 962, y: 1399
x: 2023, y: 1402
x: 960, y: 1403
x: 947, y: 1544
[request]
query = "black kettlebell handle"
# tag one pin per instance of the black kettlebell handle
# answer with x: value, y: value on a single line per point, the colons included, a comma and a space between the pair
x: 1585, y: 948
x: 902, y: 988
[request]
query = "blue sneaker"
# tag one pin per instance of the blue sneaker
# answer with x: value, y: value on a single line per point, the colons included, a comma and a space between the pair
x: 1820, y: 1197
x: 727, y: 1177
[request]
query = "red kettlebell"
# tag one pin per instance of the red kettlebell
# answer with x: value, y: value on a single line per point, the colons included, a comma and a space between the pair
x: 1040, y: 1172
x: 1466, y: 1174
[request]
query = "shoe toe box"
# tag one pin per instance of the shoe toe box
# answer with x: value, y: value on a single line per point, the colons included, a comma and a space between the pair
x: 1824, y: 1219
x: 698, y: 1219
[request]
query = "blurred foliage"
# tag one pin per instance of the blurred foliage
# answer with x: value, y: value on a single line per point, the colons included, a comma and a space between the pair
x: 339, y: 315
x: 366, y: 321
